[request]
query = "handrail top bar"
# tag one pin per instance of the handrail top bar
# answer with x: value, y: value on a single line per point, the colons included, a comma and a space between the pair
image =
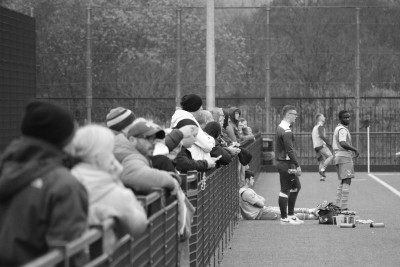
x: 87, y: 238
x: 271, y: 6
x: 153, y: 196
x: 105, y: 225
x: 354, y: 133
x: 52, y: 257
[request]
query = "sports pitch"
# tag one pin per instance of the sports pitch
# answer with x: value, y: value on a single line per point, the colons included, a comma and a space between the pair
x: 374, y: 196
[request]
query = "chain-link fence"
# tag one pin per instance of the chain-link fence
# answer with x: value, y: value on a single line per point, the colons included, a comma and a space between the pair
x: 321, y: 56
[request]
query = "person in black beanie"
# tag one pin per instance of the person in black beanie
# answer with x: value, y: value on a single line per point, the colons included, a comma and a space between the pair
x: 48, y: 122
x: 191, y: 103
x: 41, y: 203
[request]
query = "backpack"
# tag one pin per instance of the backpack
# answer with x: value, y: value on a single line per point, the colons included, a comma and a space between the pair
x: 326, y: 211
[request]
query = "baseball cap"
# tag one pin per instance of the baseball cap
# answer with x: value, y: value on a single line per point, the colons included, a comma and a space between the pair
x: 145, y: 128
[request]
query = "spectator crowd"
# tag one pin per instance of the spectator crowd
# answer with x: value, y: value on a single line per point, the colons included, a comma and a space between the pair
x: 59, y: 178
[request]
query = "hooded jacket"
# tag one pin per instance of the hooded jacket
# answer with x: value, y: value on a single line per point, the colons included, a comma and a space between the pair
x: 234, y: 124
x: 138, y: 172
x: 106, y: 190
x: 41, y: 203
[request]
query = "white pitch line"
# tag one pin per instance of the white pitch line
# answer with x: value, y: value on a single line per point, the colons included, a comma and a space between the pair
x: 391, y: 188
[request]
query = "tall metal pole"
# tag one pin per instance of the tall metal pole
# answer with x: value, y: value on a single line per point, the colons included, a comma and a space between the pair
x: 358, y: 76
x: 89, y: 96
x: 178, y: 56
x: 210, y: 79
x: 267, y: 98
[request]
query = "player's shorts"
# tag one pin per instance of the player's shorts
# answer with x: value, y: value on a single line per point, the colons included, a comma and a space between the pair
x: 268, y: 213
x: 345, y: 170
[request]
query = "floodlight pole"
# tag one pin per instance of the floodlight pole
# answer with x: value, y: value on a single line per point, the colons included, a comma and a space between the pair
x: 210, y: 79
x: 89, y: 97
x: 178, y: 56
x: 358, y: 76
x: 267, y: 97
x: 368, y: 150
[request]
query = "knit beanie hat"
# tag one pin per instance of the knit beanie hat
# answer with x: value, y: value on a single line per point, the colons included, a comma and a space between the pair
x: 191, y: 103
x: 213, y: 129
x: 48, y: 122
x: 119, y: 118
x: 185, y: 122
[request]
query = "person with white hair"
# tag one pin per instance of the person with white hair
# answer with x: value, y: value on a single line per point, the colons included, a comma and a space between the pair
x: 99, y: 171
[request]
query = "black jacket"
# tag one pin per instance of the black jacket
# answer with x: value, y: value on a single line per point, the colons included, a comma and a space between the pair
x: 41, y: 203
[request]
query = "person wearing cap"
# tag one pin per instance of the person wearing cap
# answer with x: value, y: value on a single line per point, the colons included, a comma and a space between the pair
x: 99, y: 172
x: 120, y: 119
x: 41, y: 203
x: 191, y: 108
x: 134, y: 155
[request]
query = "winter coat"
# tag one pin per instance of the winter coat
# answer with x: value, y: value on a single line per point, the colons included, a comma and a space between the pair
x: 204, y: 142
x: 107, y: 193
x: 41, y: 203
x: 138, y: 172
x: 214, y: 130
x: 184, y: 162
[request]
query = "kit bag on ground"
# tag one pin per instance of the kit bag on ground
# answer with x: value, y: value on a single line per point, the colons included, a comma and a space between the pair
x: 326, y: 211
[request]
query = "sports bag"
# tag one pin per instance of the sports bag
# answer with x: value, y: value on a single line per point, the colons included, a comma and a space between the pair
x: 326, y: 211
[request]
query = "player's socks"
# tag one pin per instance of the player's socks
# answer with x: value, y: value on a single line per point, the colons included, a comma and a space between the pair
x: 283, y: 204
x: 339, y: 195
x: 292, y: 201
x: 345, y: 196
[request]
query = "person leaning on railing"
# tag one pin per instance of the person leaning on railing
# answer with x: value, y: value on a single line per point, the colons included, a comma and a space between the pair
x: 41, y: 204
x: 100, y: 172
x: 184, y: 161
x: 213, y: 128
x: 135, y: 154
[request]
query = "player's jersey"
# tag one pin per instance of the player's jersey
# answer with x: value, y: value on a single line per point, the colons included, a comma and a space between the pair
x: 317, y: 141
x: 284, y: 144
x: 341, y: 134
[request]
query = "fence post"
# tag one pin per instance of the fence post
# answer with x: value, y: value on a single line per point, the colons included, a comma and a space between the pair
x: 357, y: 75
x: 267, y: 98
x: 178, y: 56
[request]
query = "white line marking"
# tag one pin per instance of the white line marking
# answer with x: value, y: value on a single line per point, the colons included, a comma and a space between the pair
x: 388, y: 174
x: 391, y: 188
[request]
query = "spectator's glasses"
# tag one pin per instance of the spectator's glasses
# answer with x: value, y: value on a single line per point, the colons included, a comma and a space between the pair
x: 295, y: 114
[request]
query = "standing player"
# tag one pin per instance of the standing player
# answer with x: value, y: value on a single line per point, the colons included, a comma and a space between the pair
x: 321, y: 145
x: 343, y: 158
x: 286, y: 159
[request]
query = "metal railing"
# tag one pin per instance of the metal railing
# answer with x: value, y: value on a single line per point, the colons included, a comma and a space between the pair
x: 214, y: 195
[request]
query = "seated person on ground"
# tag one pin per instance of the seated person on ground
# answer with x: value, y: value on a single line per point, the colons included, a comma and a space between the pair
x: 252, y: 205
